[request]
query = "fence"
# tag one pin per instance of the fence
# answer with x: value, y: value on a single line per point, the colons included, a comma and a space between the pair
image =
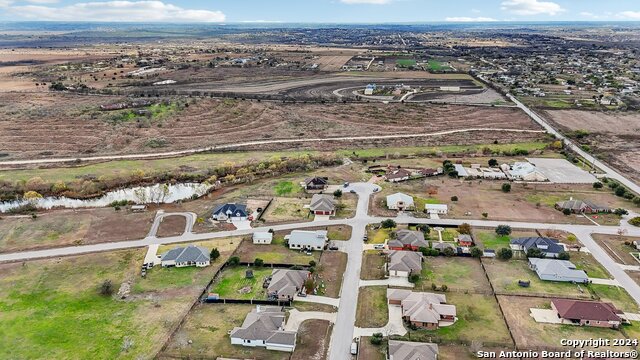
x: 249, y: 301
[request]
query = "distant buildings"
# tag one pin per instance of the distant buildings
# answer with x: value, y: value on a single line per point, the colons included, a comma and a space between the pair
x: 440, y: 209
x: 588, y: 313
x: 316, y: 183
x: 581, y: 207
x: 523, y: 171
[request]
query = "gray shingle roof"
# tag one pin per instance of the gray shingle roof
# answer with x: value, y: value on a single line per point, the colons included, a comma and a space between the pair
x: 287, y: 282
x: 406, y: 350
x: 552, y: 246
x: 322, y: 202
x: 409, y: 237
x: 265, y: 323
x: 405, y: 261
x: 190, y: 253
x: 231, y: 209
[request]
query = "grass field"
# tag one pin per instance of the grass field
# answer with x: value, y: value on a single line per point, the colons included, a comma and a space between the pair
x: 286, y: 188
x: 373, y: 265
x: 287, y: 209
x: 491, y: 240
x: 504, y: 276
x: 372, y: 308
x: 52, y: 308
x: 464, y: 274
x: 405, y: 63
x: 616, y: 295
x: 589, y: 264
x: 274, y: 253
x: 339, y: 232
x: 312, y: 340
x: 378, y: 236
x: 233, y: 284
x: 435, y: 65
x: 476, y: 314
x: 372, y: 352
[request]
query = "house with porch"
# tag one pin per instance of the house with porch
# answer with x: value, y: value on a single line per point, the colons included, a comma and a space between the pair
x: 322, y: 204
x: 285, y: 284
x: 230, y: 212
x: 588, y: 313
x: 423, y: 310
x: 307, y: 240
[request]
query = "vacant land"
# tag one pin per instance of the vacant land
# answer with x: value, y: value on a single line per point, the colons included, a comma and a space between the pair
x: 287, y: 209
x: 616, y: 295
x: 47, y: 297
x: 373, y: 263
x: 233, y: 283
x: 476, y: 313
x: 613, y: 136
x: 275, y: 253
x: 372, y: 308
x: 370, y: 351
x: 171, y: 226
x: 313, y: 340
x: 586, y: 262
x: 488, y: 239
x: 526, y: 202
x: 80, y: 128
x: 60, y: 228
x: 330, y: 271
x: 504, y: 276
x: 204, y: 334
x: 616, y: 247
x: 530, y: 334
x: 463, y: 274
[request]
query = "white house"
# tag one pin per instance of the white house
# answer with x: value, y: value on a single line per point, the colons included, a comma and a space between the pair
x: 264, y: 327
x: 440, y: 209
x: 307, y: 240
x: 262, y: 237
x: 400, y: 201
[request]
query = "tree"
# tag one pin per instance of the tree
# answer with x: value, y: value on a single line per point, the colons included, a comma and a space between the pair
x: 413, y: 278
x: 32, y: 195
x: 476, y: 252
x: 454, y: 198
x: 485, y: 215
x: 376, y: 339
x: 563, y: 255
x: 620, y: 212
x: 506, y: 187
x: 493, y: 162
x: 464, y: 228
x: 234, y: 260
x: 566, y: 211
x: 312, y: 263
x: 434, y: 286
x: 215, y: 254
x: 620, y: 191
x: 448, y: 252
x: 337, y: 193
x: 444, y: 287
x: 635, y: 221
x: 504, y: 254
x: 258, y: 262
x: 503, y: 230
x: 106, y: 288
x: 534, y: 252
x: 424, y: 228
x: 388, y: 224
x: 597, y: 185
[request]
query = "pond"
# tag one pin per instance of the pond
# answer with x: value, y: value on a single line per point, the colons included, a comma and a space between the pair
x: 153, y: 194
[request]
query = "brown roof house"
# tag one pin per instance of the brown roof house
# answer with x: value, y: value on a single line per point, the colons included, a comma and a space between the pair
x: 404, y: 263
x: 409, y: 350
x: 264, y: 327
x: 588, y: 313
x: 316, y: 183
x: 579, y: 207
x: 398, y: 175
x: 422, y: 309
x: 408, y: 240
x: 285, y: 283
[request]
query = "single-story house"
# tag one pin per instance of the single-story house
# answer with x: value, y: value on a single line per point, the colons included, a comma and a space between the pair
x: 186, y: 256
x: 475, y: 171
x: 263, y: 237
x: 322, y: 204
x: 398, y: 175
x: 462, y: 172
x: 579, y: 207
x: 440, y: 209
x: 404, y: 263
x: 441, y: 246
x: 588, y: 313
x: 400, y: 201
x: 557, y: 270
x: 429, y: 172
x: 316, y: 183
x: 523, y: 171
x: 422, y: 309
x: 549, y: 247
x: 407, y: 240
x: 285, y: 283
x: 230, y: 212
x: 465, y: 240
x: 409, y: 350
x: 307, y: 240
x: 488, y: 253
x: 264, y: 327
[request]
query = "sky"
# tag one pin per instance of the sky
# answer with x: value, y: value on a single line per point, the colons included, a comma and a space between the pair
x: 319, y: 11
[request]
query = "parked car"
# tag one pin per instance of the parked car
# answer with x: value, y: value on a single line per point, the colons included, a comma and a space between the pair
x: 346, y: 184
x: 333, y: 247
x: 354, y: 348
x: 365, y: 238
x: 378, y: 246
x: 302, y: 294
x: 309, y: 253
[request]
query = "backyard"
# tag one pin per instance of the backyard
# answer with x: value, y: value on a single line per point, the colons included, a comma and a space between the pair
x: 462, y: 274
x: 284, y: 209
x: 234, y: 284
x: 275, y: 253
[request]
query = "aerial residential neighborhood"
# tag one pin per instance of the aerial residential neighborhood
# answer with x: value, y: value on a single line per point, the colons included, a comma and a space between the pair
x: 339, y: 180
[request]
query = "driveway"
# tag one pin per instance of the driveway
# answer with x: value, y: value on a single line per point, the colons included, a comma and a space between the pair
x: 611, y: 282
x: 392, y: 281
x: 242, y: 224
x: 298, y: 317
x: 318, y: 300
x: 395, y: 325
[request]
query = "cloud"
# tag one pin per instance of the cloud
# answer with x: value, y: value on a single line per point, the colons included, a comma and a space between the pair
x: 370, y: 2
x: 630, y: 15
x: 470, y: 19
x: 531, y: 7
x: 134, y: 11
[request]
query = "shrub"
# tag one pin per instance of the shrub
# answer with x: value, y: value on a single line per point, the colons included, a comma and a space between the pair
x: 258, y: 262
x: 504, y: 254
x: 534, y: 253
x: 476, y: 252
x: 620, y: 212
x: 337, y: 193
x: 503, y: 230
x: 635, y: 221
x: 376, y: 339
x: 566, y: 211
x: 485, y: 215
x: 234, y: 260
x: 506, y: 187
x: 214, y: 254
x: 444, y: 287
x: 454, y: 198
x: 413, y: 278
x: 106, y: 288
x: 433, y: 286
x: 564, y: 255
x: 620, y: 191
x: 597, y: 185
x: 448, y: 252
x: 493, y: 162
x: 312, y: 263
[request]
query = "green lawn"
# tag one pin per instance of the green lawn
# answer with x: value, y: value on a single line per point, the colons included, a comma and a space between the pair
x: 616, y: 295
x: 589, y: 264
x: 491, y: 240
x: 405, y: 63
x: 379, y: 236
x: 463, y: 274
x: 233, y: 284
x: 435, y: 65
x: 479, y: 319
x: 372, y: 310
x: 286, y: 188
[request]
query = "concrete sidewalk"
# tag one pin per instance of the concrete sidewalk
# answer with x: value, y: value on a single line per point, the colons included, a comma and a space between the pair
x: 318, y: 300
x: 611, y: 282
x: 392, y: 281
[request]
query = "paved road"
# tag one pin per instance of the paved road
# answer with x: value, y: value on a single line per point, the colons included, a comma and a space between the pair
x: 258, y: 142
x: 189, y: 217
x: 611, y: 173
